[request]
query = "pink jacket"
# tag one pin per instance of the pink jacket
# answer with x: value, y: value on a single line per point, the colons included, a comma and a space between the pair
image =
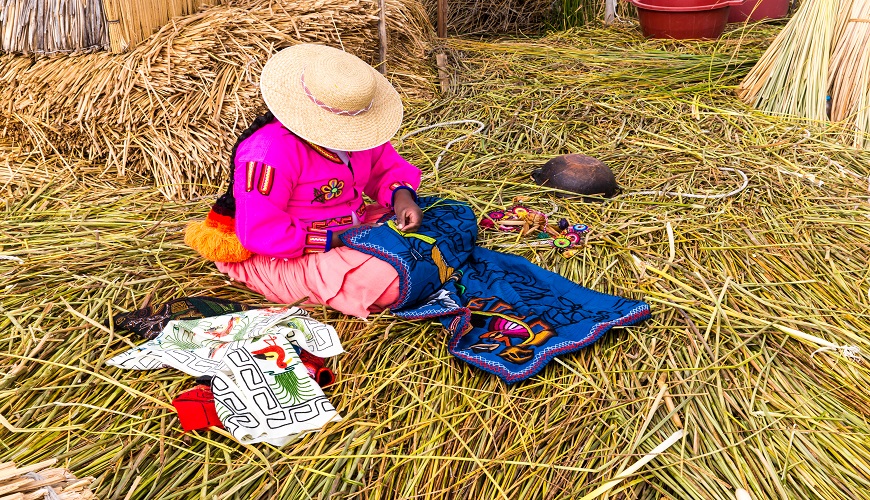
x: 290, y: 194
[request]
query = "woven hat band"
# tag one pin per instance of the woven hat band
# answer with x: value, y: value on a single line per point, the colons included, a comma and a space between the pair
x: 327, y: 107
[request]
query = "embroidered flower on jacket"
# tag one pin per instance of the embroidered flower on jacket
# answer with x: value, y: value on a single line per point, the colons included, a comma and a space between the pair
x: 332, y: 189
x: 328, y: 191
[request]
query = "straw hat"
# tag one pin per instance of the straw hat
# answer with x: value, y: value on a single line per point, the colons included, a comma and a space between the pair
x: 331, y: 98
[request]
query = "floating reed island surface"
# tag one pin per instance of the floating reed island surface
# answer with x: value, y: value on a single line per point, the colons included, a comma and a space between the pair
x: 172, y: 106
x: 751, y: 294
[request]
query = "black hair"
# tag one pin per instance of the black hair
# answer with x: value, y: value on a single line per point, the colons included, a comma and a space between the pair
x: 226, y: 204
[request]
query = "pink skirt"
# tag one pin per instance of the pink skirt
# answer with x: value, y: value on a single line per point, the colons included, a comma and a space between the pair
x: 344, y: 279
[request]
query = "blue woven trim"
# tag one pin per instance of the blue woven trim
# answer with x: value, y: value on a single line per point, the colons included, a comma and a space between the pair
x: 436, y: 313
x: 328, y: 246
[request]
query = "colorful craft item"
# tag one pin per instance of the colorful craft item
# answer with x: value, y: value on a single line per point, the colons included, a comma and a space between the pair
x: 561, y: 242
x: 196, y: 409
x: 262, y: 390
x: 571, y: 236
x: 526, y: 220
x: 518, y: 218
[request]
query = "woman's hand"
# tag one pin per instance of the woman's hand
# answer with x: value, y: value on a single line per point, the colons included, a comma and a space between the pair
x: 409, y: 217
x: 335, y: 241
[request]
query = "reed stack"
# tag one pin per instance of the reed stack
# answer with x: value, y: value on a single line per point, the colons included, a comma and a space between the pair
x: 65, y: 26
x: 818, y: 68
x: 172, y: 105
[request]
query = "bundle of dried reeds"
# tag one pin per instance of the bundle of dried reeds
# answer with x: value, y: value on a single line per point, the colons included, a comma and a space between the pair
x: 41, y: 480
x: 40, y: 26
x: 48, y: 27
x: 818, y: 67
x: 131, y: 21
x: 173, y: 105
x: 792, y: 76
x: 733, y: 282
x: 850, y: 70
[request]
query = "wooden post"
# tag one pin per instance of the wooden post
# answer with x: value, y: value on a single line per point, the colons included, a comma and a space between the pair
x: 442, y: 19
x: 382, y: 34
x: 441, y: 57
x: 609, y: 11
x: 443, y: 75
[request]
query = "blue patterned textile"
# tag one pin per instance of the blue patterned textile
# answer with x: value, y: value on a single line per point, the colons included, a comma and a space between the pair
x: 506, y: 315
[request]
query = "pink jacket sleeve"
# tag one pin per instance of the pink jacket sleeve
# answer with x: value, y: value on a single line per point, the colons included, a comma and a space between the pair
x: 262, y: 225
x: 389, y: 172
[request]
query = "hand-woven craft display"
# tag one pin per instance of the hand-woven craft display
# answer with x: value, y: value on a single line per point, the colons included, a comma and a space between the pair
x: 262, y: 390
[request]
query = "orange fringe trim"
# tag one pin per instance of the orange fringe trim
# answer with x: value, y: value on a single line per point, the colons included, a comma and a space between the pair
x: 215, y: 241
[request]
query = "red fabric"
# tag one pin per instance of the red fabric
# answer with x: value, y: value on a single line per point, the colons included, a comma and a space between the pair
x: 322, y: 375
x: 196, y: 409
x: 224, y: 223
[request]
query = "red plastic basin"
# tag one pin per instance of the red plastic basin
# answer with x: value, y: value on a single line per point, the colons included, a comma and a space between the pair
x: 756, y: 10
x: 683, y: 19
x: 684, y: 5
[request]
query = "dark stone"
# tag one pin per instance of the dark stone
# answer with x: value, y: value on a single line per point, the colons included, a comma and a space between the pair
x: 579, y: 174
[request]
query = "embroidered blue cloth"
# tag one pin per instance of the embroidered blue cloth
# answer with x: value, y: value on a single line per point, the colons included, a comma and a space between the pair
x: 506, y: 315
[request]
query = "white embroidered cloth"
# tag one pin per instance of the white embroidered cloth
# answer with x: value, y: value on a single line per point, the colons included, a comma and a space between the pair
x: 262, y: 391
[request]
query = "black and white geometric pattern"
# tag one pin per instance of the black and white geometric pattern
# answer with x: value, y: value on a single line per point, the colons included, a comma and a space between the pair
x: 248, y: 404
x: 251, y: 403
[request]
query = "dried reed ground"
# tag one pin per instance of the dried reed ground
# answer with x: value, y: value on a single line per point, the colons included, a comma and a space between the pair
x: 726, y: 279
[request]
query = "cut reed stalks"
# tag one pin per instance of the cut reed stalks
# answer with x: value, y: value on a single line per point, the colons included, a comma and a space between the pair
x: 850, y: 70
x: 48, y: 27
x: 41, y: 480
x: 792, y: 76
x: 132, y: 21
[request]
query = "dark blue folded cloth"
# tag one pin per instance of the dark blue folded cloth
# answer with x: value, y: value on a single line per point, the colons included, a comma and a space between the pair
x: 506, y: 315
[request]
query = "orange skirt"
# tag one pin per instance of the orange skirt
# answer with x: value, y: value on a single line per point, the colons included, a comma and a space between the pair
x: 344, y: 279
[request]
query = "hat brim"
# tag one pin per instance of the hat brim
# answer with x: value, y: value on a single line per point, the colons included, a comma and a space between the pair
x: 281, y: 87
